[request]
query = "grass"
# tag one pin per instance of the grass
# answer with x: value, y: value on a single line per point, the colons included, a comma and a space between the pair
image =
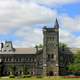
x: 34, y: 78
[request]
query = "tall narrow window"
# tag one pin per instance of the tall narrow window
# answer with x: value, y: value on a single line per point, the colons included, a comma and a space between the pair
x: 52, y: 56
x: 48, y: 56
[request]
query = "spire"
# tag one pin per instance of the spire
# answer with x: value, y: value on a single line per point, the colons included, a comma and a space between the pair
x: 56, y: 25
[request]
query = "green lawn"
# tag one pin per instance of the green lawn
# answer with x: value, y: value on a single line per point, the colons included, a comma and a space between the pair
x: 45, y: 78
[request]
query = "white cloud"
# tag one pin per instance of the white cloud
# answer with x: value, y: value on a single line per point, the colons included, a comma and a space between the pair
x: 76, y: 42
x: 66, y: 37
x: 29, y: 37
x: 14, y: 14
x: 72, y: 24
x: 69, y: 39
x: 54, y: 2
x: 22, y: 15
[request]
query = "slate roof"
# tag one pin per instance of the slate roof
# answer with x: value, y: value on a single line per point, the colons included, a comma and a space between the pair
x: 33, y: 51
x: 22, y: 51
x: 25, y: 51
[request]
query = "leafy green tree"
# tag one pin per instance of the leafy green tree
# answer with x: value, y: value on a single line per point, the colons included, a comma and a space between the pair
x: 77, y: 57
x: 75, y: 66
x: 39, y: 46
x: 62, y: 46
x: 12, y: 69
x: 25, y: 69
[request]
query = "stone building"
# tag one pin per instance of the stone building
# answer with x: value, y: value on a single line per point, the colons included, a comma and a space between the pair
x: 38, y: 61
x: 51, y: 50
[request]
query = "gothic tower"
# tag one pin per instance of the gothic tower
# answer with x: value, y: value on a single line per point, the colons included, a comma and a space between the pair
x: 50, y: 50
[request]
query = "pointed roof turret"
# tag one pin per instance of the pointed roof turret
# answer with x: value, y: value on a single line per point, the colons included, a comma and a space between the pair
x: 56, y: 25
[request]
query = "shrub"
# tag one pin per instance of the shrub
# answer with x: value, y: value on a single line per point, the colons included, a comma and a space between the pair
x: 28, y: 75
x: 39, y: 76
x: 77, y: 73
x: 11, y: 76
x: 24, y: 76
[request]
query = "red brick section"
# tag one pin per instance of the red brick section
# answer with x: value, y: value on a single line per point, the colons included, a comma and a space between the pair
x: 72, y: 75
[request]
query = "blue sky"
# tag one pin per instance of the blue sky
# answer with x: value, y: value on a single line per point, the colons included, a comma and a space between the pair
x: 21, y: 21
x: 71, y: 9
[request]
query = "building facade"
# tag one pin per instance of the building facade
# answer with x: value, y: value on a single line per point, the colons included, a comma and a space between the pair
x: 34, y: 61
x: 51, y: 50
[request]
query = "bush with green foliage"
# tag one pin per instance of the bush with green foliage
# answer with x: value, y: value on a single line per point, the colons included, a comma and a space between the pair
x: 24, y: 76
x: 11, y: 76
x: 39, y: 76
x: 25, y: 70
x: 75, y: 66
x: 28, y: 76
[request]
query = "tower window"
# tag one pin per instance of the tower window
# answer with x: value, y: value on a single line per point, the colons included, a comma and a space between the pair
x: 52, y: 56
x: 48, y: 56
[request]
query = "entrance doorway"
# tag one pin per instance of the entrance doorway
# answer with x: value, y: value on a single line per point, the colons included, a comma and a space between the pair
x: 51, y: 73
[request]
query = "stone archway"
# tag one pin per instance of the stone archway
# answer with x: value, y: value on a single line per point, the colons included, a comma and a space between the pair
x: 51, y: 73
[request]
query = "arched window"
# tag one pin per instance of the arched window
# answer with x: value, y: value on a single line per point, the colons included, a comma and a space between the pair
x: 50, y: 56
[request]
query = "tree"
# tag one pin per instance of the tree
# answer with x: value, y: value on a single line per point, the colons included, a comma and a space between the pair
x: 75, y: 66
x: 25, y: 69
x: 39, y: 46
x: 77, y: 57
x: 12, y: 69
x: 62, y: 46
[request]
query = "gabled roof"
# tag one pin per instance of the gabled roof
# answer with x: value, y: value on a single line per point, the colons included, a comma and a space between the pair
x: 25, y: 51
x: 21, y: 51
